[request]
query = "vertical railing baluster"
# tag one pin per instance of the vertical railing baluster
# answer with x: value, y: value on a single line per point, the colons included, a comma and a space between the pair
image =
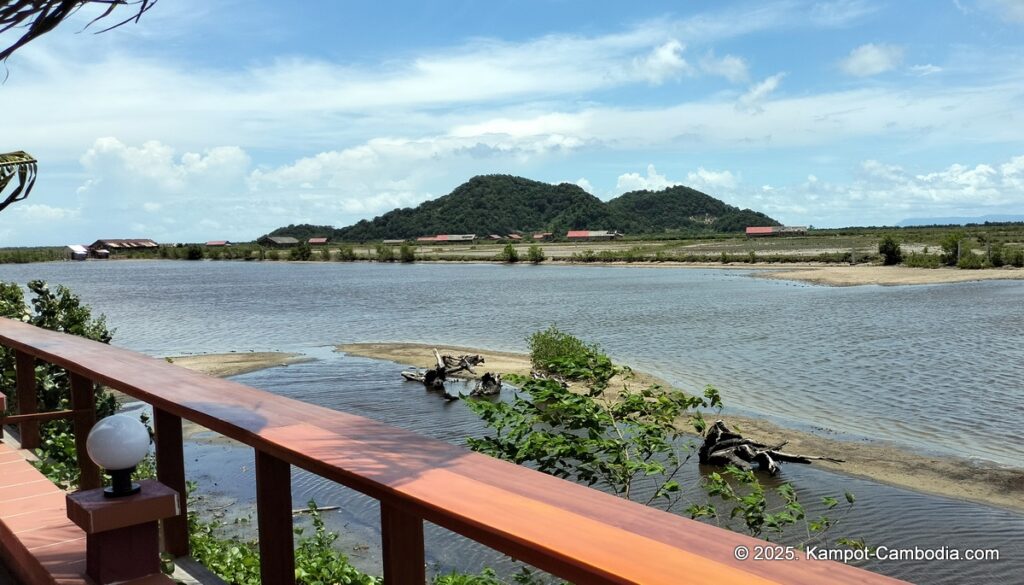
x: 25, y: 374
x: 83, y: 402
x: 274, y: 512
x: 402, y: 539
x: 170, y: 471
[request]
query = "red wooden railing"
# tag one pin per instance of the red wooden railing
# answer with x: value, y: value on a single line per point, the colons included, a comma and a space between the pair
x: 574, y: 532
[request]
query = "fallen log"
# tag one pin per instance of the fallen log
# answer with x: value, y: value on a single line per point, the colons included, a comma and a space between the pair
x: 489, y: 385
x: 722, y: 446
x: 433, y: 379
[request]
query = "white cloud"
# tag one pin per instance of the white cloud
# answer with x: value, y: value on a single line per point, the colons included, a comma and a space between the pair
x: 872, y: 59
x: 42, y: 213
x: 664, y: 63
x: 584, y: 184
x: 704, y: 179
x: 757, y: 94
x: 636, y: 182
x: 730, y: 67
x: 884, y: 193
x: 923, y: 70
x: 1010, y: 10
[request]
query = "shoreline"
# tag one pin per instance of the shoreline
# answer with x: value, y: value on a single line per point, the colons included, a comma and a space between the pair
x: 223, y: 365
x: 938, y: 475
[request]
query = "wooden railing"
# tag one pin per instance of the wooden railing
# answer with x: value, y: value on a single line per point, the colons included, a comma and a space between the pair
x: 577, y: 533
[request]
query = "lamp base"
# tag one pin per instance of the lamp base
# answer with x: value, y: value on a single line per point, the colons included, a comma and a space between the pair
x: 121, y: 484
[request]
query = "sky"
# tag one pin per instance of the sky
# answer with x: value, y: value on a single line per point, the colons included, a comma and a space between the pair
x: 225, y: 120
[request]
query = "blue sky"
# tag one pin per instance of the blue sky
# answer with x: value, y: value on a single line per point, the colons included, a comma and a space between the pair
x: 225, y: 120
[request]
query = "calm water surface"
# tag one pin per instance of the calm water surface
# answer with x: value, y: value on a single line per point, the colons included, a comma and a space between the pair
x: 921, y: 367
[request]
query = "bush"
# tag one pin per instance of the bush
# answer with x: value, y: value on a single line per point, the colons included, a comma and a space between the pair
x: 346, y: 254
x: 302, y: 252
x: 406, y: 253
x: 535, y: 254
x: 273, y: 255
x: 970, y: 261
x: 194, y: 253
x: 952, y: 247
x: 889, y: 248
x: 509, y: 254
x: 556, y: 352
x: 916, y: 260
x: 385, y: 253
x: 57, y: 311
x: 1015, y: 257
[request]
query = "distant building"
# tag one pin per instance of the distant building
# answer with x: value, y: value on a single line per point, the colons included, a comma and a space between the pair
x: 579, y: 235
x: 542, y: 235
x: 217, y: 243
x: 515, y: 237
x: 76, y: 252
x: 278, y: 241
x: 115, y: 246
x: 317, y: 241
x: 775, y: 230
x: 393, y: 242
x: 448, y: 238
x: 494, y: 237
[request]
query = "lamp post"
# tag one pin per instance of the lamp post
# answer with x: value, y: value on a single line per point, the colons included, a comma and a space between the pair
x: 117, y: 444
x: 121, y: 522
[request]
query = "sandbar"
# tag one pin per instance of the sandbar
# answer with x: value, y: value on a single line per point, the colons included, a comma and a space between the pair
x: 939, y: 475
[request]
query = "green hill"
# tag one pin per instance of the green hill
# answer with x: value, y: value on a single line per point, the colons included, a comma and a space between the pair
x: 681, y: 208
x: 500, y: 204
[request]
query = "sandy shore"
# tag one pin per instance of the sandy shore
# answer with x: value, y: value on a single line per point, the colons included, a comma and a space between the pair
x: 223, y: 365
x: 944, y: 476
x: 889, y: 275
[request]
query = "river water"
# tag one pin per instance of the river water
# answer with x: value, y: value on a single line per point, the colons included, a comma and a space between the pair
x: 921, y: 367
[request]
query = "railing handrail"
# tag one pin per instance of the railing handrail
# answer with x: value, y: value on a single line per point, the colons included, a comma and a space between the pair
x: 572, y: 531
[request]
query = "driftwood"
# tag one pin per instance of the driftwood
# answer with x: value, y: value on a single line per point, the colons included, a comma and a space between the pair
x: 722, y: 446
x: 489, y: 385
x: 446, y: 365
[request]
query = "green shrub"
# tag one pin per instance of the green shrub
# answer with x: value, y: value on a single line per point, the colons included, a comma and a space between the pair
x: 970, y: 261
x: 302, y: 252
x: 385, y: 253
x: 535, y: 254
x: 953, y: 245
x: 916, y: 260
x: 407, y: 254
x: 1015, y: 257
x: 194, y: 253
x: 273, y: 255
x: 556, y: 352
x: 889, y: 248
x: 59, y: 310
x: 509, y: 254
x: 346, y: 254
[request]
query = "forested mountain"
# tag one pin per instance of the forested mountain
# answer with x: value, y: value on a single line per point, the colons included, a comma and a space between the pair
x: 500, y: 204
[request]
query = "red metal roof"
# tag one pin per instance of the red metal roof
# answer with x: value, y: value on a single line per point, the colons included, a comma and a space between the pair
x: 217, y: 243
x: 760, y: 230
x: 579, y: 234
x: 317, y: 240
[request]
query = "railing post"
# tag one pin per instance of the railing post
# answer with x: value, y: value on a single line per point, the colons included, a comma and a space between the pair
x: 25, y: 373
x: 170, y: 471
x: 402, y: 536
x: 83, y: 402
x: 274, y: 512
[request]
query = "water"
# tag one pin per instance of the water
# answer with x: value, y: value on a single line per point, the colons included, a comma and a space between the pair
x: 918, y: 366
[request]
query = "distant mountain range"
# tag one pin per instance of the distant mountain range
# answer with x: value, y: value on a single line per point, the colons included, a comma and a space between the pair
x: 918, y: 221
x: 501, y: 204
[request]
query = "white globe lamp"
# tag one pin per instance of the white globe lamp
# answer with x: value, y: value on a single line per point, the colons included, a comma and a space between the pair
x: 117, y: 444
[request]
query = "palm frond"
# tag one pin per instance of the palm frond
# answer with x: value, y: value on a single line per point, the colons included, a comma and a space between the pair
x: 17, y: 164
x: 39, y: 17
